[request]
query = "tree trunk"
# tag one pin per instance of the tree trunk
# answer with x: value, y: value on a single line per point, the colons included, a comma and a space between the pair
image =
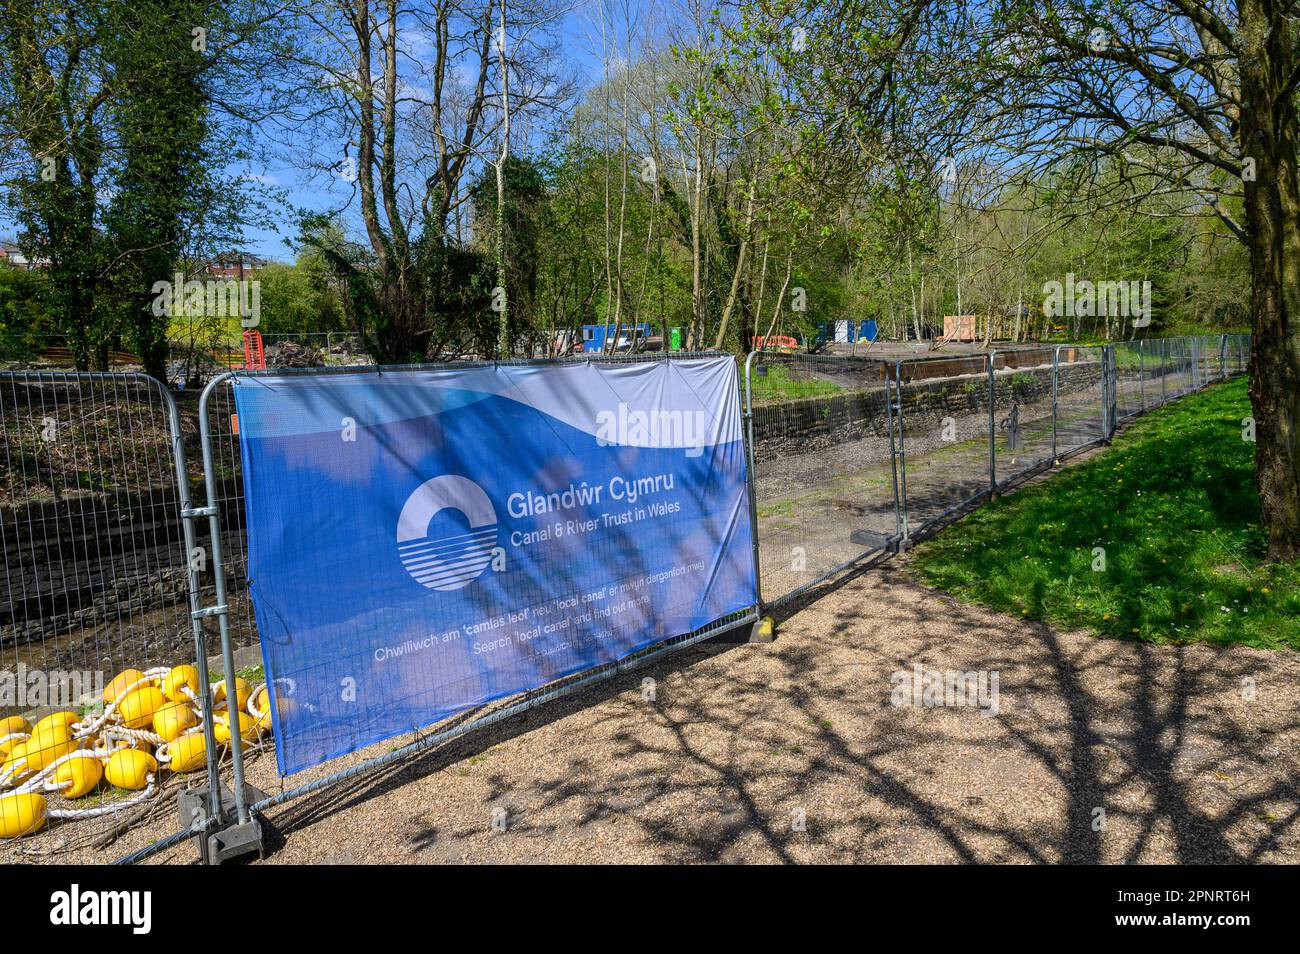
x: 1272, y: 202
x: 741, y: 257
x: 503, y: 319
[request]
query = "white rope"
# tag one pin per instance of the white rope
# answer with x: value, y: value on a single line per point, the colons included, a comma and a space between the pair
x: 81, y: 730
x: 255, y: 712
x: 148, y: 793
x: 9, y: 775
x: 121, y: 732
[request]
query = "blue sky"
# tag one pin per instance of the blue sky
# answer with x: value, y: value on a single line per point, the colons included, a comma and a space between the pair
x: 580, y: 41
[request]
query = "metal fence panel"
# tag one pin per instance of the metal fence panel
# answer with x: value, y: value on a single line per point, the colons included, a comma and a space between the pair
x: 1129, y: 375
x: 95, y: 608
x: 1240, y: 351
x: 223, y: 477
x: 1186, y: 350
x: 1211, y: 359
x: 1025, y: 388
x: 945, y: 422
x: 1083, y: 395
x: 824, y: 481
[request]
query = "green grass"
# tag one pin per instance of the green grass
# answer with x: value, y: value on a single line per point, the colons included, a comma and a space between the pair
x: 250, y: 675
x: 777, y: 385
x: 1173, y: 505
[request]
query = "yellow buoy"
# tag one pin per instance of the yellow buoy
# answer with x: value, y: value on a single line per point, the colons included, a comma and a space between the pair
x: 259, y: 706
x: 241, y: 693
x: 173, y: 719
x: 247, y: 727
x: 63, y: 720
x: 46, y: 744
x: 78, y: 776
x: 14, y: 725
x: 21, y: 813
x: 138, y: 708
x: 121, y: 682
x: 179, y: 678
x: 259, y: 699
x: 130, y: 769
x: 187, y: 753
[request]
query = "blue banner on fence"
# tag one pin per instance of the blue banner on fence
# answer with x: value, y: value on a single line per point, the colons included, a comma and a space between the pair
x: 421, y: 542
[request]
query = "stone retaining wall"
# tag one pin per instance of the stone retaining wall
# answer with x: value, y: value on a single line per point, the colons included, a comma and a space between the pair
x: 93, y: 559
x: 811, y: 423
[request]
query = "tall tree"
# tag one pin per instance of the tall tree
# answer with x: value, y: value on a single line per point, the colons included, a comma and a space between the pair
x: 53, y: 96
x: 412, y: 91
x: 161, y: 117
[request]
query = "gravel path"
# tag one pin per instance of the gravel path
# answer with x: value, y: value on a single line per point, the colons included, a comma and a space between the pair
x: 740, y: 741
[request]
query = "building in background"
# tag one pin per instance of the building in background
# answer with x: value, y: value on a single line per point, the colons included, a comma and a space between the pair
x: 236, y: 265
x: 11, y: 254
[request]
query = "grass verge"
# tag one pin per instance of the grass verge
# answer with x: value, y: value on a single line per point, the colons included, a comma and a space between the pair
x: 1156, y: 539
x: 776, y: 384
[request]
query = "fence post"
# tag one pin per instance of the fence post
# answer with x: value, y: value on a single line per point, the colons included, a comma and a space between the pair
x: 893, y: 450
x: 1056, y: 390
x: 753, y: 488
x: 1105, y: 394
x: 1112, y: 392
x: 1164, y: 366
x: 902, y: 455
x: 993, y: 430
x: 188, y: 516
x: 1142, y: 373
x: 246, y: 835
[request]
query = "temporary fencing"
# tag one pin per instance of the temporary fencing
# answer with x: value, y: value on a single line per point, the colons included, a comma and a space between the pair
x: 113, y: 576
x: 855, y: 456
